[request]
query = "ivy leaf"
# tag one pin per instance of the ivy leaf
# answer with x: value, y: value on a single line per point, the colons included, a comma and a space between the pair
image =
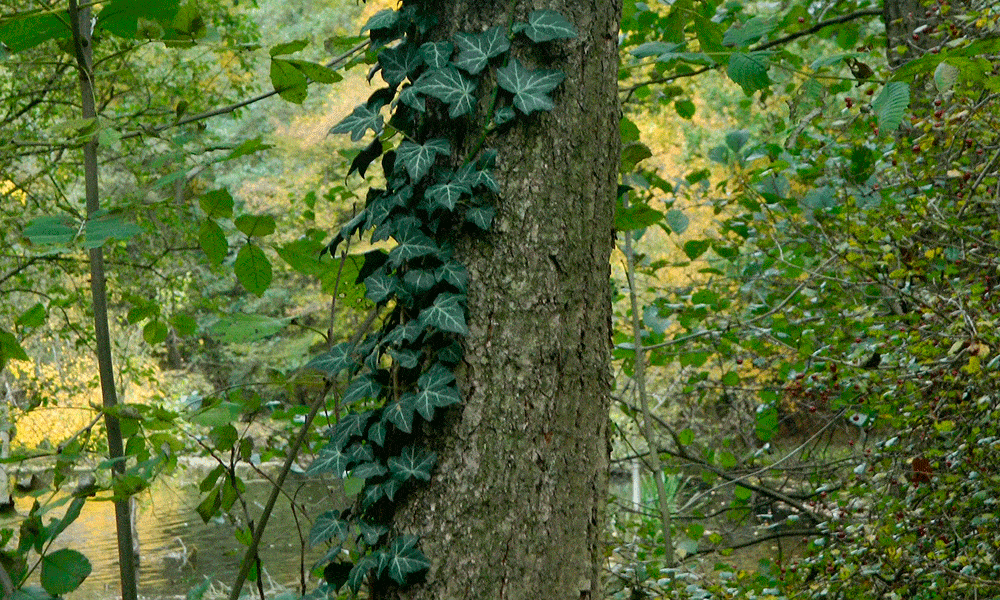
x: 447, y: 314
x: 475, y: 50
x: 890, y: 105
x: 427, y: 400
x: 376, y: 433
x: 546, y: 25
x: 450, y: 354
x: 449, y: 86
x: 361, y: 388
x: 454, y: 273
x: 437, y: 376
x: 411, y: 98
x: 358, y: 122
x: 334, y: 361
x: 418, y: 158
x: 400, y: 413
x: 371, y: 533
x: 328, y: 526
x: 749, y: 71
x: 398, y: 63
x: 365, y: 158
x: 405, y: 561
x: 530, y: 88
x: 446, y: 195
x: 379, y: 286
x: 253, y: 269
x: 361, y: 570
x: 383, y: 19
x: 481, y: 216
x: 405, y: 358
x: 504, y: 115
x: 351, y: 424
x: 331, y: 459
x: 368, y: 470
x: 411, y: 244
x: 436, y: 54
x: 413, y: 462
x: 419, y: 280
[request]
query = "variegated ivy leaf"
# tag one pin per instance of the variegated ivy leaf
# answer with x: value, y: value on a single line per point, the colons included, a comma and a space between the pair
x: 334, y: 361
x: 418, y: 158
x: 436, y: 54
x: 546, y: 25
x: 449, y: 86
x: 476, y: 49
x: 413, y: 462
x: 328, y: 525
x: 530, y: 88
x: 360, y: 121
x: 454, y: 273
x: 399, y: 62
x: 447, y: 314
x: 361, y: 388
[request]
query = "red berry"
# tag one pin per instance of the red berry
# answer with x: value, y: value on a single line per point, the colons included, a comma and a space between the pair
x: 802, y: 19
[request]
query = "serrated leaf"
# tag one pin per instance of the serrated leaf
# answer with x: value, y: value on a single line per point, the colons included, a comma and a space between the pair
x: 217, y: 204
x: 475, y: 50
x: 63, y: 571
x: 411, y: 244
x: 436, y: 54
x: 439, y: 397
x: 398, y: 63
x: 481, y: 216
x: 379, y: 286
x: 447, y: 195
x: 334, y: 361
x: 745, y: 34
x: 530, y: 88
x: 253, y: 269
x: 419, y: 280
x: 449, y: 86
x: 359, y: 122
x: 405, y: 562
x: 446, y: 313
x: 50, y: 230
x: 359, y: 389
x: 890, y: 105
x: 255, y: 225
x: 400, y: 413
x: 327, y: 526
x: 368, y: 470
x: 418, y: 158
x: 546, y: 25
x: 454, y: 273
x: 412, y: 462
x: 749, y: 71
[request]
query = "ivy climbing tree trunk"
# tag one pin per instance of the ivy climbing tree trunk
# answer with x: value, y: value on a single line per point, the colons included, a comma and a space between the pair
x: 515, y: 506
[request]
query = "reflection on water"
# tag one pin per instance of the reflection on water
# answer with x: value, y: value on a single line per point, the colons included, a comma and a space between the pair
x: 178, y: 550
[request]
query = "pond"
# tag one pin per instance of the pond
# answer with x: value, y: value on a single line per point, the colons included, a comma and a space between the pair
x: 179, y: 551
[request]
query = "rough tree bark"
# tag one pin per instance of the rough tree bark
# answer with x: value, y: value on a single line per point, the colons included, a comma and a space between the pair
x: 515, y: 507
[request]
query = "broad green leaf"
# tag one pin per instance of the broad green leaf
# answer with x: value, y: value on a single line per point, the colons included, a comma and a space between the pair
x: 749, y: 71
x: 123, y: 17
x: 436, y: 54
x: 945, y: 76
x: 677, y: 221
x: 253, y: 269
x: 476, y: 49
x: 695, y: 248
x: 633, y: 154
x: 241, y: 328
x: 33, y: 317
x: 449, y: 86
x: 255, y: 225
x: 359, y: 122
x: 418, y: 158
x: 327, y: 526
x: 10, y: 348
x: 108, y: 226
x: 362, y: 387
x: 290, y: 83
x: 446, y: 313
x: 685, y: 436
x: 412, y: 462
x: 546, y: 25
x: 155, y: 332
x: 244, y: 149
x: 530, y: 88
x: 63, y: 571
x: 399, y: 62
x: 27, y: 31
x: 217, y: 204
x: 316, y: 71
x: 737, y: 139
x: 647, y: 49
x: 334, y: 361
x: 439, y: 397
x: 890, y: 105
x: 767, y: 422
x: 289, y: 47
x: 213, y: 241
x: 50, y: 230
x: 636, y: 216
x: 745, y: 34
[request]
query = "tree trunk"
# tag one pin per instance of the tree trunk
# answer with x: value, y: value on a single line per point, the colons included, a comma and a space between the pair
x: 515, y: 507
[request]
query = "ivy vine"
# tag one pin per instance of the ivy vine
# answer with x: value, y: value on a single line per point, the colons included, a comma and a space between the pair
x: 431, y: 198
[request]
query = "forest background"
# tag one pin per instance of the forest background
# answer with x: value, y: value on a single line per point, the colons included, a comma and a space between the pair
x: 804, y: 312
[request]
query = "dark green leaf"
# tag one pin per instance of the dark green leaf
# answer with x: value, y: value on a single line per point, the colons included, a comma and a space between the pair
x: 418, y: 158
x: 695, y: 248
x: 475, y: 50
x: 481, y: 216
x: 449, y: 86
x: 446, y: 313
x: 122, y: 17
x: 400, y: 413
x: 890, y: 105
x: 636, y: 216
x: 371, y: 532
x: 155, y: 332
x: 439, y: 397
x: 749, y: 71
x: 411, y: 244
x: 546, y: 25
x: 213, y: 241
x: 437, y: 376
x: 419, y: 280
x: 413, y: 462
x: 289, y: 47
x: 737, y: 139
x: 767, y: 423
x: 217, y: 204
x: 404, y: 358
x: 379, y: 287
x: 530, y: 88
x: 684, y: 108
x: 368, y: 470
x: 334, y: 361
x: 253, y: 269
x: 360, y: 121
x: 383, y: 19
x: 351, y: 425
x: 399, y: 63
x: 446, y: 195
x: 436, y: 54
x: 362, y: 387
x: 454, y: 273
x: 63, y: 571
x: 404, y: 562
x: 29, y: 30
x: 361, y: 569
